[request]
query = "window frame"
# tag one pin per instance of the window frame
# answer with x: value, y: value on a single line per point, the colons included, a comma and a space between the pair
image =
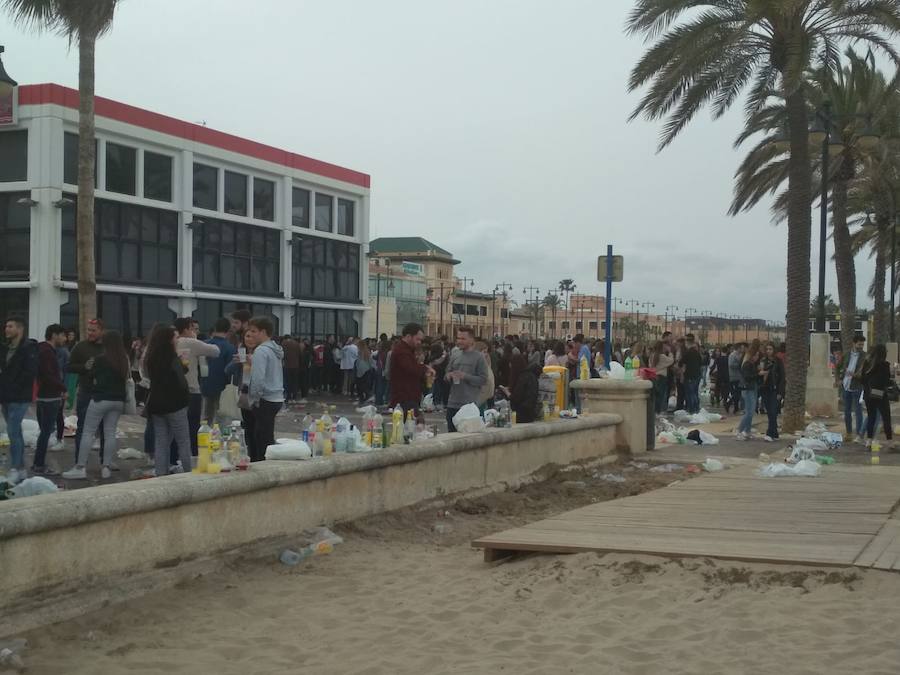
x: 242, y: 257
x: 106, y: 159
x: 24, y: 176
x: 315, y: 262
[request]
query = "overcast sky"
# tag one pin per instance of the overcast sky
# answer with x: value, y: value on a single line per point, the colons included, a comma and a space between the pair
x: 498, y: 130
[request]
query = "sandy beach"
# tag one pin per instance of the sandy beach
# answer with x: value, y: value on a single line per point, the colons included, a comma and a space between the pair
x: 406, y: 593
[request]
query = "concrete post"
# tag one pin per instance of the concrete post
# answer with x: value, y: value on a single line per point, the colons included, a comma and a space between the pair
x: 821, y: 396
x: 628, y: 398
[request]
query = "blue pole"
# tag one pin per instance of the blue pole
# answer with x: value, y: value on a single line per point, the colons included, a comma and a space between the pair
x: 608, y: 347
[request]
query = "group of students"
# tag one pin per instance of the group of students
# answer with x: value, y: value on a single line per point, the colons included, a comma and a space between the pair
x: 866, y: 378
x: 180, y: 378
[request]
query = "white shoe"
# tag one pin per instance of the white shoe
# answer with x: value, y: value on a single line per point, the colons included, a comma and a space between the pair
x: 57, y: 447
x: 105, y: 472
x: 859, y: 439
x: 740, y: 436
x: 767, y: 438
x: 75, y: 473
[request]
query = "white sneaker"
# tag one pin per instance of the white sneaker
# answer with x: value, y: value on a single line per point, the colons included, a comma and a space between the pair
x: 105, y: 472
x: 767, y: 438
x: 75, y: 473
x: 57, y: 447
x: 740, y: 436
x: 302, y: 401
x: 858, y: 439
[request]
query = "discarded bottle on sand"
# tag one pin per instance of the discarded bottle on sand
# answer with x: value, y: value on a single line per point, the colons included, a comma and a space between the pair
x: 876, y: 450
x: 290, y: 557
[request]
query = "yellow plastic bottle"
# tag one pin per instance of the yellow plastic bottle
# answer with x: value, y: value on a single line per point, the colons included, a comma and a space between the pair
x: 203, y: 447
x: 584, y: 372
x: 876, y: 450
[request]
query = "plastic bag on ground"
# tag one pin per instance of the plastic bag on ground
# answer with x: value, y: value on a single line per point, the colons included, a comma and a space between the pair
x: 130, y: 453
x: 813, y: 444
x: 662, y: 424
x: 610, y: 477
x: 815, y: 430
x: 11, y: 654
x: 804, y: 467
x: 666, y: 468
x: 290, y: 450
x: 832, y: 439
x: 666, y: 438
x: 468, y: 419
x: 616, y: 371
x: 368, y: 409
x: 707, y: 438
x: 712, y: 465
x: 682, y: 416
x: 36, y: 485
x: 428, y: 403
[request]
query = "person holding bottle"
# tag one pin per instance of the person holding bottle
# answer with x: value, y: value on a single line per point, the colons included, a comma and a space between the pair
x: 108, y: 372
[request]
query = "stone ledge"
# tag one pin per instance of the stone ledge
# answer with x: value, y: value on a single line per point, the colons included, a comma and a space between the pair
x: 49, y: 512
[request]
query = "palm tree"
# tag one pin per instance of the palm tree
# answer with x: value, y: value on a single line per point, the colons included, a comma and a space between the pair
x: 552, y: 302
x: 707, y: 53
x: 860, y: 98
x: 567, y: 286
x: 82, y: 21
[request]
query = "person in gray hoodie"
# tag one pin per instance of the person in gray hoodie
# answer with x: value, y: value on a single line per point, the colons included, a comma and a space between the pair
x: 466, y: 373
x: 265, y: 390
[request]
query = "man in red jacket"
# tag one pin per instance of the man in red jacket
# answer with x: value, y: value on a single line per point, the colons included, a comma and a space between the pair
x: 51, y: 391
x: 406, y: 372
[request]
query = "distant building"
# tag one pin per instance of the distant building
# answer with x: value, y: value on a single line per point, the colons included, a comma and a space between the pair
x: 398, y: 295
x: 833, y: 322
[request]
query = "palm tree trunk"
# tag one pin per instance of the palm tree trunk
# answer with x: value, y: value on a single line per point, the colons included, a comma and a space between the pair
x: 87, y: 283
x: 880, y: 281
x: 798, y: 272
x: 845, y: 270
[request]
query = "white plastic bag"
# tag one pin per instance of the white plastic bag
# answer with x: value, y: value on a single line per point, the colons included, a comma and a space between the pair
x: 666, y: 438
x: 130, y: 453
x: 711, y: 464
x: 428, y: 403
x: 707, y: 438
x: 491, y: 416
x: 36, y: 485
x: 616, y: 371
x: 468, y: 419
x: 804, y: 467
x: 813, y: 444
x: 289, y: 450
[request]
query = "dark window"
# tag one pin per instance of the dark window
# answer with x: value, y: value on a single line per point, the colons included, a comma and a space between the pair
x: 70, y: 159
x: 345, y: 217
x: 135, y: 244
x: 157, y: 176
x: 263, y: 199
x: 235, y: 193
x: 457, y: 308
x: 300, y: 208
x: 324, y: 207
x: 592, y: 325
x: 13, y: 156
x: 471, y: 310
x: 551, y: 325
x: 15, y: 237
x: 132, y: 315
x: 14, y: 302
x: 206, y: 187
x: 324, y: 269
x: 504, y: 313
x: 578, y: 325
x: 317, y: 324
x: 121, y: 169
x: 209, y: 311
x: 236, y: 256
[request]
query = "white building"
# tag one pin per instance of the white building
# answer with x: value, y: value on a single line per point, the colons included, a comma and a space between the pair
x: 189, y: 221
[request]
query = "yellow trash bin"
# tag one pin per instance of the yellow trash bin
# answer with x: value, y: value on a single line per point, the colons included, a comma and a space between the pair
x: 559, y: 376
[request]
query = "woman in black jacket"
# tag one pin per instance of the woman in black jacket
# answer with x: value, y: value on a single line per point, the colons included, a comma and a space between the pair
x: 875, y: 378
x: 167, y: 404
x: 524, y: 399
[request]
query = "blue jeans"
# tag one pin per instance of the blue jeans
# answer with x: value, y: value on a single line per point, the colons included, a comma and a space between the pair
x: 770, y: 401
x: 661, y: 394
x: 82, y: 401
x: 749, y: 397
x: 692, y: 394
x: 851, y: 405
x: 47, y: 412
x: 14, y: 413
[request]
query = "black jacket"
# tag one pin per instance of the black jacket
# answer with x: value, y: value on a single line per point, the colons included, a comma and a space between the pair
x: 18, y: 373
x: 774, y: 381
x: 876, y: 377
x: 168, y: 389
x: 524, y: 398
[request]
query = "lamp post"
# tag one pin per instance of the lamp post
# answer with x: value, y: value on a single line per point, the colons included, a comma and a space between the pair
x: 646, y: 306
x: 6, y: 82
x: 533, y: 293
x: 673, y: 308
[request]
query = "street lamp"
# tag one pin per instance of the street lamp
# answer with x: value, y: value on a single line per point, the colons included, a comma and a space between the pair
x: 646, y: 306
x: 502, y: 287
x: 674, y: 309
x: 6, y: 82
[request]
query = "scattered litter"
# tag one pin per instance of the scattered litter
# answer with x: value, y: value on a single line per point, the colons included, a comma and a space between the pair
x: 579, y: 484
x: 815, y: 430
x: 832, y: 439
x: 825, y: 459
x: 804, y: 467
x: 691, y: 468
x: 130, y: 453
x: 639, y: 465
x: 428, y: 403
x: 610, y: 477
x: 764, y: 457
x: 442, y: 528
x: 694, y: 435
x: 36, y: 485
x: 10, y: 654
x: 707, y: 438
x: 712, y: 465
x: 288, y: 449
x: 322, y: 542
x: 616, y: 371
x: 666, y: 468
x: 702, y: 417
x: 662, y: 424
x: 800, y: 452
x: 468, y: 419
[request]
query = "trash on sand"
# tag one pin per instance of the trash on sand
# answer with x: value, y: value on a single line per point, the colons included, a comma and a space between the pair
x: 711, y: 464
x: 707, y: 438
x: 577, y: 484
x: 36, y: 485
x: 691, y: 468
x: 130, y: 453
x: 10, y: 654
x: 639, y: 465
x: 322, y: 542
x: 702, y: 417
x: 804, y: 467
x: 833, y: 439
x: 662, y: 424
x: 800, y: 452
x: 825, y: 459
x: 442, y: 528
x: 610, y: 477
x: 666, y: 468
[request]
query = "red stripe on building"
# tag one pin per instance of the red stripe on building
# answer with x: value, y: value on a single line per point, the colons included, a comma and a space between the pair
x: 38, y: 94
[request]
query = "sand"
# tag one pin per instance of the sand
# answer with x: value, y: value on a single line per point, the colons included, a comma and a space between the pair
x: 406, y: 594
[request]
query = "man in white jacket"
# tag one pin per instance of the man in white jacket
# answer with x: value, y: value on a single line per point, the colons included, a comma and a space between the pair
x: 193, y: 354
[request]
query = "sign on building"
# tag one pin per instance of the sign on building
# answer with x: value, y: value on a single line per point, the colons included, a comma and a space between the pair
x: 413, y: 269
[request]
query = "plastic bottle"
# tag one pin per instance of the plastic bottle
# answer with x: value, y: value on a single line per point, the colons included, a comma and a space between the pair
x: 397, y: 426
x: 326, y: 419
x: 291, y: 558
x: 203, y: 447
x: 635, y: 362
x: 546, y: 411
x: 215, y: 439
x: 409, y: 427
x: 876, y: 450
x: 305, y: 428
x: 629, y: 366
x: 377, y: 435
x: 320, y: 437
x: 234, y: 447
x: 368, y: 427
x: 584, y: 372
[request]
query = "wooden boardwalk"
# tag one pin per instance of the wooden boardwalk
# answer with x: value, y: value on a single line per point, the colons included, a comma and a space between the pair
x: 842, y: 517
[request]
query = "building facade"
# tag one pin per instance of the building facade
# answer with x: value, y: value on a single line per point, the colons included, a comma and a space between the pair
x: 188, y: 222
x: 398, y: 295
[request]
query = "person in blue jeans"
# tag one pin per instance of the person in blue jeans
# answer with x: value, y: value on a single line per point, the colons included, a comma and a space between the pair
x: 749, y: 390
x: 692, y: 365
x: 850, y: 371
x: 18, y: 368
x: 51, y: 391
x: 771, y: 373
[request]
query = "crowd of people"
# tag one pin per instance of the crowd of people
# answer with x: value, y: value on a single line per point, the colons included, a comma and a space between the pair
x: 240, y: 368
